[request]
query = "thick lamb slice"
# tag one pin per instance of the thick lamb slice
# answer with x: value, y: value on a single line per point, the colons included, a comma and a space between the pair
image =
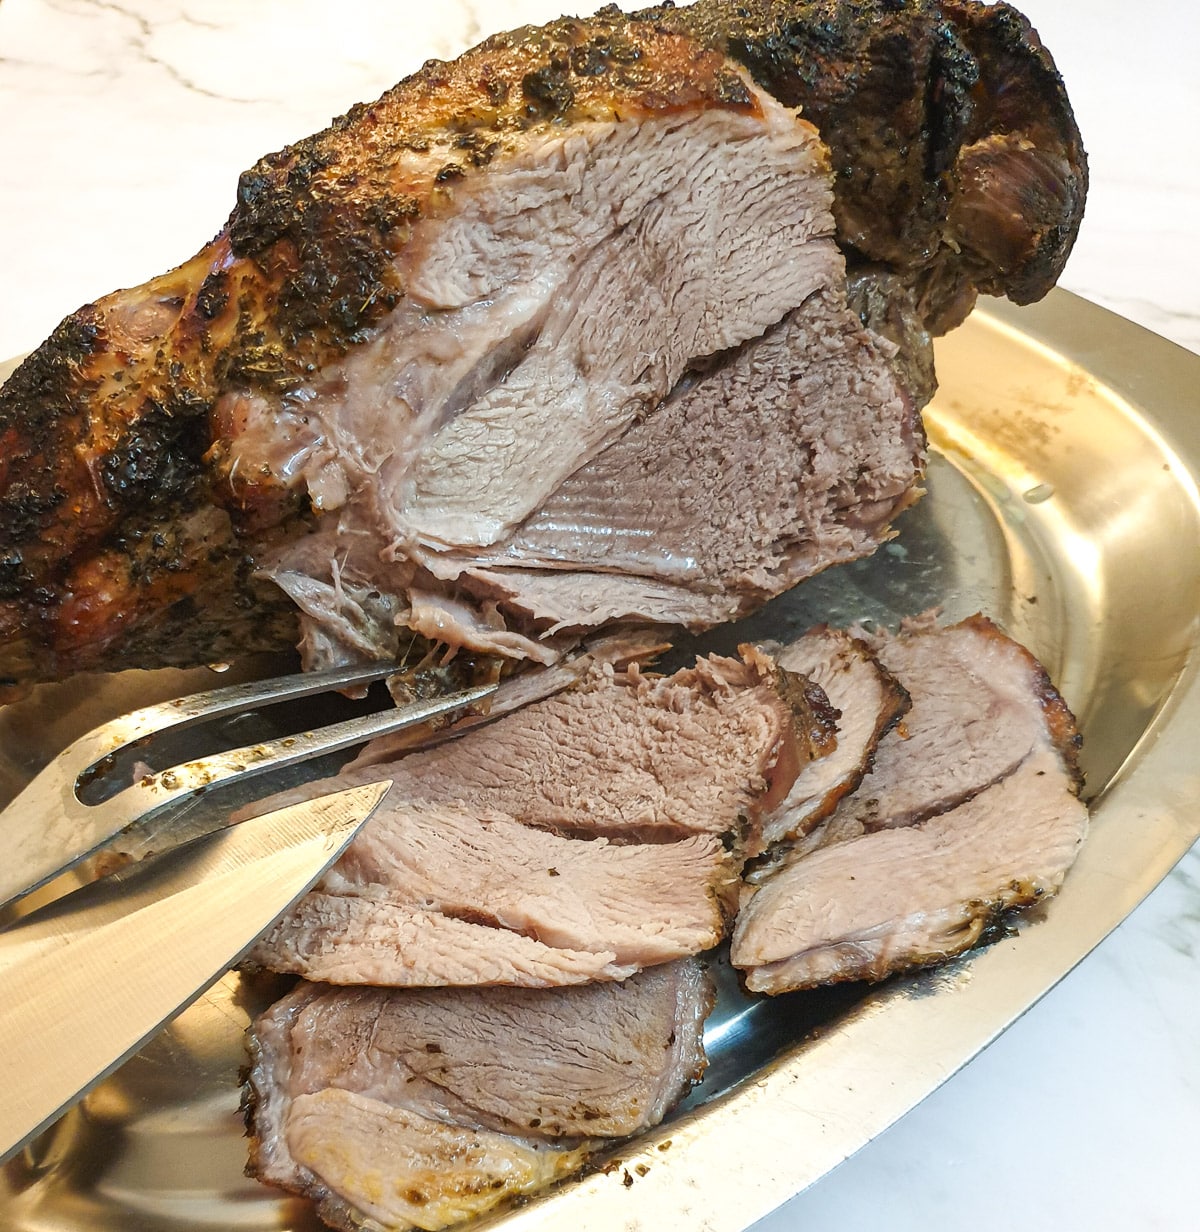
x: 629, y: 756
x: 420, y: 1108
x: 981, y: 703
x: 911, y: 868
x: 868, y: 906
x: 432, y: 895
x: 870, y: 701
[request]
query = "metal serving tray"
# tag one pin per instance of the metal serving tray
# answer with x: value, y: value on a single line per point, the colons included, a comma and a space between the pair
x: 1063, y: 502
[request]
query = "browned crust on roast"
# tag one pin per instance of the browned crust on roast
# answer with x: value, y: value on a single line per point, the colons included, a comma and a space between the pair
x: 109, y: 433
x: 896, y: 705
x: 814, y: 718
x: 957, y: 160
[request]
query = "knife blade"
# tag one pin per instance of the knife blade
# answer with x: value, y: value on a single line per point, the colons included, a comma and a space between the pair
x: 85, y: 981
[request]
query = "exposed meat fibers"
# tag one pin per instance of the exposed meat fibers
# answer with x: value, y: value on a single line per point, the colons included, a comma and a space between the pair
x: 438, y: 894
x: 971, y: 809
x: 420, y: 1108
x: 581, y: 836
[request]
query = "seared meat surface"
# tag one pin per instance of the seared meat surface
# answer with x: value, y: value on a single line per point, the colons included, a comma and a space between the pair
x: 419, y: 1108
x: 958, y: 164
x: 389, y: 398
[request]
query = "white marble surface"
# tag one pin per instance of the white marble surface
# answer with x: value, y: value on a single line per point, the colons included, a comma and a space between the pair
x: 123, y: 127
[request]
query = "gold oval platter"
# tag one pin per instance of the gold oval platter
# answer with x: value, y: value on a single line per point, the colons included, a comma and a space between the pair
x: 1062, y: 502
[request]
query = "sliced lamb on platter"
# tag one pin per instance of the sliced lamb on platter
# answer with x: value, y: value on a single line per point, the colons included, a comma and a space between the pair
x: 581, y: 836
x: 635, y: 757
x: 402, y: 1108
x: 441, y: 894
x: 619, y: 319
x: 618, y: 650
x: 363, y: 1106
x: 972, y: 809
x: 869, y: 700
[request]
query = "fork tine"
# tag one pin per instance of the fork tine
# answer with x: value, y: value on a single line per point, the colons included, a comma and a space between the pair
x: 53, y: 830
x: 155, y: 791
x: 183, y: 712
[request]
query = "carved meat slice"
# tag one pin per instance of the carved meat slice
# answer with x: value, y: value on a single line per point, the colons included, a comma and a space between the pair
x: 627, y: 755
x: 434, y: 895
x: 420, y: 1108
x: 869, y: 906
x: 973, y: 811
x: 618, y: 650
x: 980, y: 704
x: 388, y: 402
x: 869, y: 700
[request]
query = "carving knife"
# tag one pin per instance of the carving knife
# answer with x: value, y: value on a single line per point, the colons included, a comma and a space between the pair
x: 85, y: 981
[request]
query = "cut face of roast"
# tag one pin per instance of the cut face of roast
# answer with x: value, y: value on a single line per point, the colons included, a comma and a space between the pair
x: 971, y: 809
x: 419, y: 1108
x: 767, y: 464
x: 563, y: 298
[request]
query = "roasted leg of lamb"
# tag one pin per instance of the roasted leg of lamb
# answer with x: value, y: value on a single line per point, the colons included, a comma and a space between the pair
x: 618, y: 320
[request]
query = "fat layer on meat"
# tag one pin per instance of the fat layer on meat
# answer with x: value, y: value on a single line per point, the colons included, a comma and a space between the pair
x: 433, y: 894
x: 417, y: 1108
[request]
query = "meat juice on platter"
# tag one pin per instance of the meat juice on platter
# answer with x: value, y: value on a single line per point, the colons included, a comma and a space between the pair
x: 614, y: 325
